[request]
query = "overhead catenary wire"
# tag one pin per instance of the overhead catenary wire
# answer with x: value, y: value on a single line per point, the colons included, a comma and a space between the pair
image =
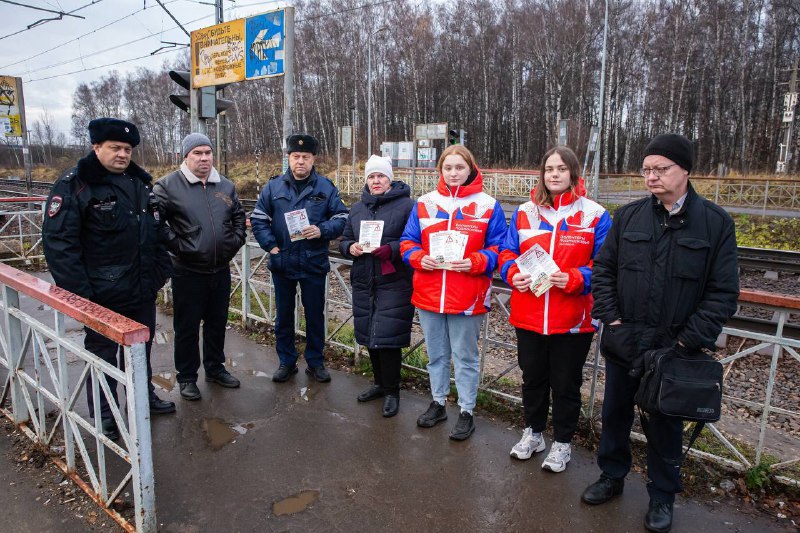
x: 93, y: 2
x: 106, y: 65
x: 82, y: 57
x: 61, y: 45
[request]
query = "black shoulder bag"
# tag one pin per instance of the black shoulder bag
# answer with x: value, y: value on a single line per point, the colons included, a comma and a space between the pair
x: 682, y: 385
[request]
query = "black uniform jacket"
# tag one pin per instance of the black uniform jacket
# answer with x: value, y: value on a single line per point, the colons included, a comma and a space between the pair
x: 205, y: 222
x: 668, y: 278
x: 382, y: 310
x: 102, y: 235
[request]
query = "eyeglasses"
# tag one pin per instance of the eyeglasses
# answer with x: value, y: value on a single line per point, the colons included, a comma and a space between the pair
x: 657, y: 172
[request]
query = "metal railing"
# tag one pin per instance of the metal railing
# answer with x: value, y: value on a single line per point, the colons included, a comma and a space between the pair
x: 515, y: 185
x: 255, y: 286
x: 21, y: 229
x: 46, y: 392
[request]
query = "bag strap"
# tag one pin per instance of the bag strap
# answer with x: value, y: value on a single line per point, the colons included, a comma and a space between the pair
x: 698, y: 428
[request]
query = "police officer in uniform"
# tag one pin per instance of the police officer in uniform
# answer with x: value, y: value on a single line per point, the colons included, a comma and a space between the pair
x: 300, y: 198
x: 102, y: 241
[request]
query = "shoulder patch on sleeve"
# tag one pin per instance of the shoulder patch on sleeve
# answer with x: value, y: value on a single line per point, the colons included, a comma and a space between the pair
x: 54, y: 206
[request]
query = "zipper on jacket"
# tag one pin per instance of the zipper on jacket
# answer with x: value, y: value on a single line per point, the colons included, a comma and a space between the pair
x: 546, y: 320
x: 213, y: 228
x: 449, y: 228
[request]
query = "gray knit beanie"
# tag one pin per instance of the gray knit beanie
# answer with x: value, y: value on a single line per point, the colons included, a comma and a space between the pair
x: 192, y: 141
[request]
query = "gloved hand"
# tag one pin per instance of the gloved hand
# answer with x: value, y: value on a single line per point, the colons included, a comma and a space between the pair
x: 384, y: 253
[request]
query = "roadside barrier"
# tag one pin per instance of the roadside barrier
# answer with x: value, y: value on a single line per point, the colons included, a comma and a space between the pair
x: 43, y: 391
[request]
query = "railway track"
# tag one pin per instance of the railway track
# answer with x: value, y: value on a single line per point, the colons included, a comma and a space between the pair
x: 753, y: 258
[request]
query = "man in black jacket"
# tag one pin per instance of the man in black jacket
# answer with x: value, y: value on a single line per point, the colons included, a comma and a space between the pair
x: 205, y: 229
x: 666, y: 276
x: 102, y: 241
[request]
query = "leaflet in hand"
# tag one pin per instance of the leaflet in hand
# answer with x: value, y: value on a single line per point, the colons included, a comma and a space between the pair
x: 370, y: 235
x: 447, y: 246
x: 539, y: 264
x: 295, y: 222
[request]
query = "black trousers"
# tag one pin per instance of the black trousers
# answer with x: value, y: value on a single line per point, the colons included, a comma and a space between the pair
x: 552, y: 363
x: 664, y: 439
x: 112, y: 353
x: 200, y: 298
x: 312, y: 296
x: 386, y: 364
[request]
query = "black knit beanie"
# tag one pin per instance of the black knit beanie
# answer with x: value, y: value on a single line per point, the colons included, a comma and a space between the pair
x: 674, y: 147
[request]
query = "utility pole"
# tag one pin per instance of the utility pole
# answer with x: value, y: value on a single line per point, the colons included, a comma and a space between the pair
x: 789, y: 103
x: 288, y: 80
x: 222, y: 119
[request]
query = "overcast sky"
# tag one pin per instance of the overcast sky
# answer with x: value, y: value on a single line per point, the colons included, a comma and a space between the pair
x: 52, y: 58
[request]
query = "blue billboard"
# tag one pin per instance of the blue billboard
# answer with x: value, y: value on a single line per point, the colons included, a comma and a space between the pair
x: 264, y: 38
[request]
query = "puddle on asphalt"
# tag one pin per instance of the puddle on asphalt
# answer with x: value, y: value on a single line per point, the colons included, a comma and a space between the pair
x: 164, y: 337
x: 165, y: 381
x: 296, y: 503
x: 219, y: 433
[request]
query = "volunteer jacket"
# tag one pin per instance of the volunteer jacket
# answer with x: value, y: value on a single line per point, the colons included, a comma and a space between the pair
x: 572, y: 232
x: 466, y: 209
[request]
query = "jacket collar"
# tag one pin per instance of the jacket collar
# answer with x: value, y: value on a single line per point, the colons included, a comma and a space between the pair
x: 472, y: 187
x: 90, y: 170
x: 398, y: 189
x: 191, y: 178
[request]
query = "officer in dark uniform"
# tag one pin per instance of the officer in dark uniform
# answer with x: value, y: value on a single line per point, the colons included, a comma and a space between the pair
x: 296, y: 216
x: 102, y: 240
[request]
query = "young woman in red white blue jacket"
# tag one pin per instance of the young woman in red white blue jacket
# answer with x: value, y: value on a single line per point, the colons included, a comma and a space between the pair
x: 554, y: 330
x: 452, y: 301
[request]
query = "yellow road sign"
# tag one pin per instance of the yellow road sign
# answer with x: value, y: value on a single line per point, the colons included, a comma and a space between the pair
x: 218, y: 54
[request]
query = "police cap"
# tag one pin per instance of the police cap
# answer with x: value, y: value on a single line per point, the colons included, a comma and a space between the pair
x: 302, y: 142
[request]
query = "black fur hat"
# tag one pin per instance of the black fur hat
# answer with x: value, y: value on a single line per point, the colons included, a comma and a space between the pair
x: 301, y: 142
x: 113, y: 129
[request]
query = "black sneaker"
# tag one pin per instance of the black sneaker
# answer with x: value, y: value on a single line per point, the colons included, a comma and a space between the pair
x: 464, y: 427
x: 436, y: 413
x: 283, y: 373
x: 319, y: 373
x: 225, y: 379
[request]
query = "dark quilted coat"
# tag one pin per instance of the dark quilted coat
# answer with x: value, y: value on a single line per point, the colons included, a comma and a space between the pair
x: 382, y: 310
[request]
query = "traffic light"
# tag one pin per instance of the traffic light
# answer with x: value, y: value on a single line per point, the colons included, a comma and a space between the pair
x: 182, y: 78
x: 452, y: 137
x: 462, y: 137
x: 209, y: 106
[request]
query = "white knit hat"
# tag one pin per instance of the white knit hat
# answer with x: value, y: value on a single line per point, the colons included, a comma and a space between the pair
x: 376, y: 163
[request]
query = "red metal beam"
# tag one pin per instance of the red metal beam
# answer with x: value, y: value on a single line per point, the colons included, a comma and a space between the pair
x: 116, y: 327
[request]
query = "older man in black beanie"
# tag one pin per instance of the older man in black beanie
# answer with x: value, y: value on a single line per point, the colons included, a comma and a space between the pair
x: 102, y: 241
x: 205, y: 229
x: 666, y: 276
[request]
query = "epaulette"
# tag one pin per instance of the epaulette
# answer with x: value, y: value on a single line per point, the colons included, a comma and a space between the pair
x: 70, y: 175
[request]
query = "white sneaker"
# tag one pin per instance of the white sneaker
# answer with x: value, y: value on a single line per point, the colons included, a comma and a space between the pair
x: 559, y: 456
x: 529, y: 444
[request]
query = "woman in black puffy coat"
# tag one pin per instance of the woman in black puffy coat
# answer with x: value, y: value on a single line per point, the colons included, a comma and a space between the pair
x: 381, y: 281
